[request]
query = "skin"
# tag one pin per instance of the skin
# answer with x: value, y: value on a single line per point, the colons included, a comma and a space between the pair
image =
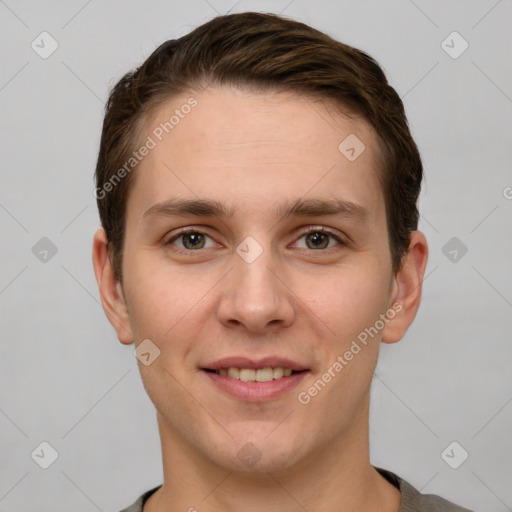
x: 252, y: 152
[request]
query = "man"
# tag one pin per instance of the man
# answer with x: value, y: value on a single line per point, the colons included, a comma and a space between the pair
x: 257, y: 186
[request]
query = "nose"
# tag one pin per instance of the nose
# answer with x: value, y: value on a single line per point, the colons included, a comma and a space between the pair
x: 255, y: 294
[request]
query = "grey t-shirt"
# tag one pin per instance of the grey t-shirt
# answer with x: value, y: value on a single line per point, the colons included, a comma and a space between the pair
x: 412, y: 499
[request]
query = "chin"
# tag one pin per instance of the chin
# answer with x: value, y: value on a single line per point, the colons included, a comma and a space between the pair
x: 261, y: 453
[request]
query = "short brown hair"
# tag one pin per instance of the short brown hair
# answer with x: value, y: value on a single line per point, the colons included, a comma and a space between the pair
x: 260, y: 52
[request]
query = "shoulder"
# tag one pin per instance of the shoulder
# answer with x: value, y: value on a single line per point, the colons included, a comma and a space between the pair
x: 137, y: 506
x: 414, y: 501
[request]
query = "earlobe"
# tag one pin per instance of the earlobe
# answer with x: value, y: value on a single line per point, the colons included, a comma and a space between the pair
x: 111, y: 293
x: 407, y: 287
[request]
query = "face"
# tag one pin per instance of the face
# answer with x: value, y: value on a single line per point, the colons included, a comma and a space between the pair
x: 284, y: 264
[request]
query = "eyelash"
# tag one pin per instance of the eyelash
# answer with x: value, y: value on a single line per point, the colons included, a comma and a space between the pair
x: 187, y: 231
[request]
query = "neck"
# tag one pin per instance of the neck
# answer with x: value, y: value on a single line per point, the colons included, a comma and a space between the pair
x: 337, y: 476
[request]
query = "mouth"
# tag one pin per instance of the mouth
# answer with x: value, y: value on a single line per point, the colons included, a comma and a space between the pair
x: 255, y: 381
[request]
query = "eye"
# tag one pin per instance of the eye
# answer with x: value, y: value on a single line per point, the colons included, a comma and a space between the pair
x: 318, y: 238
x: 190, y: 240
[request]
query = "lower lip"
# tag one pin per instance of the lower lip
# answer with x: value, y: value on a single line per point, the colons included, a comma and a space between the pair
x: 256, y: 391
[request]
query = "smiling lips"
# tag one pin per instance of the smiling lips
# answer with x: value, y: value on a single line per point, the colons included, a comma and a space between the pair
x: 251, y: 380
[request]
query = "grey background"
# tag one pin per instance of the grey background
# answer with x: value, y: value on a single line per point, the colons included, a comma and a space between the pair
x: 64, y: 377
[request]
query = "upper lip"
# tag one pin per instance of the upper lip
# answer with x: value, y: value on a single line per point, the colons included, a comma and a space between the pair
x: 245, y: 362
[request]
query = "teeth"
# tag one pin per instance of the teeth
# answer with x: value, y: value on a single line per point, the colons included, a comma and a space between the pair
x: 247, y: 375
x: 250, y: 375
x: 234, y: 373
x: 264, y: 375
x: 278, y: 372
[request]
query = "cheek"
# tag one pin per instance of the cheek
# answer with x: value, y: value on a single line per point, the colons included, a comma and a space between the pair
x: 350, y: 303
x: 155, y: 301
x: 348, y: 300
x: 158, y: 309
x: 164, y: 301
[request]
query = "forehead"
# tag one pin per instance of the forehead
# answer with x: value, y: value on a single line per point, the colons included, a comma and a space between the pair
x: 257, y: 147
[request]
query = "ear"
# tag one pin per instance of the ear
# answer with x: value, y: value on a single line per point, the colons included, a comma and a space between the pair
x: 406, y: 289
x: 111, y: 292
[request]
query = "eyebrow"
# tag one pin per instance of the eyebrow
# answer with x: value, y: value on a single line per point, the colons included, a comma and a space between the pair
x: 299, y: 207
